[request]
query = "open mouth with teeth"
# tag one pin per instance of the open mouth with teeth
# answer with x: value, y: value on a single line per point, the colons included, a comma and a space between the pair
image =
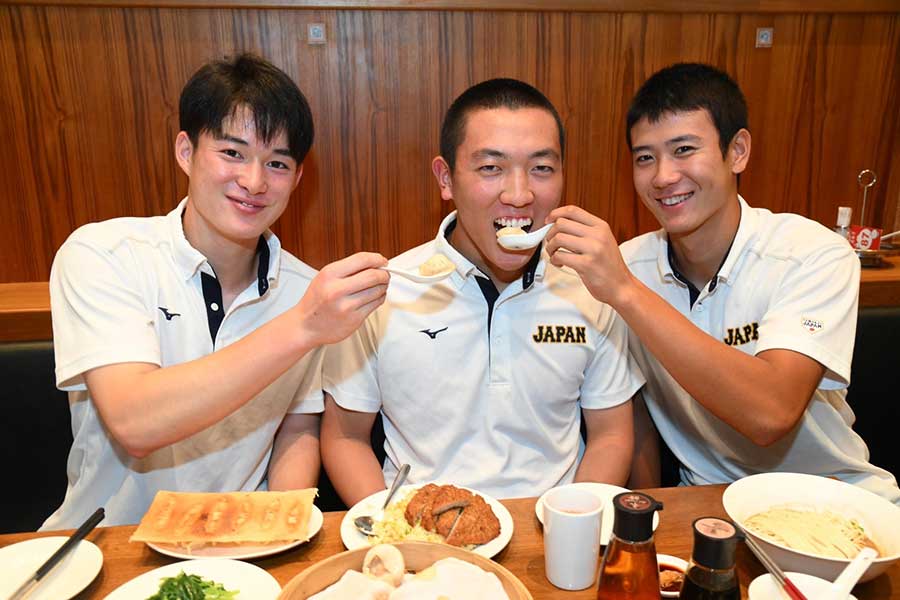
x: 674, y: 200
x: 522, y: 223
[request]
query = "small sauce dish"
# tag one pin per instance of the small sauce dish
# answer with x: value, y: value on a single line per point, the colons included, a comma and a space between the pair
x: 667, y: 562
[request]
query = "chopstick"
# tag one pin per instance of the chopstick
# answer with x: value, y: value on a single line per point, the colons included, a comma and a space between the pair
x: 774, y: 569
x: 57, y: 556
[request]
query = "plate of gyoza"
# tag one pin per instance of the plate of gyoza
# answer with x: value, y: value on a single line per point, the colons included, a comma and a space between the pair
x: 237, y: 525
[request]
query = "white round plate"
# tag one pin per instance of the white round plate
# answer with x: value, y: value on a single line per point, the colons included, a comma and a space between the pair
x: 252, y: 582
x: 72, y: 574
x: 353, y: 539
x: 241, y: 551
x: 605, y: 492
x: 765, y: 587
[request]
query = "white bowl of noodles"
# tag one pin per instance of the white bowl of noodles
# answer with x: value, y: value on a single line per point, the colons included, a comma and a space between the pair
x: 779, y: 510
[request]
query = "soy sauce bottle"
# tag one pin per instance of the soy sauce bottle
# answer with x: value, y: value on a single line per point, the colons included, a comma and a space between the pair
x: 629, y: 570
x: 711, y: 574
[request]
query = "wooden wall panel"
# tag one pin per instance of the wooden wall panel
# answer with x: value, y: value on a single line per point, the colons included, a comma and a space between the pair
x: 89, y: 110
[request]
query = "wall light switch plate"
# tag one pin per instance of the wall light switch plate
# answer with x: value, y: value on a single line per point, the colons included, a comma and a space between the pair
x: 315, y: 33
x: 764, y: 36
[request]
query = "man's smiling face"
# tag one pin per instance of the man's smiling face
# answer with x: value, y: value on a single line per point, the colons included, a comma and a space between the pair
x: 680, y: 174
x: 238, y: 185
x: 508, y: 172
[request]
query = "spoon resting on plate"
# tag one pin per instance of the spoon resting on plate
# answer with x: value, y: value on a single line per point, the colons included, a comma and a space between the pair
x: 365, y: 523
x: 434, y: 269
x: 515, y: 238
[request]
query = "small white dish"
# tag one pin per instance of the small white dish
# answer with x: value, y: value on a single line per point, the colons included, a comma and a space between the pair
x: 765, y: 587
x: 673, y: 563
x: 72, y: 574
x: 415, y: 276
x: 241, y: 551
x: 252, y: 582
x: 604, y: 491
x: 524, y: 241
x: 353, y: 539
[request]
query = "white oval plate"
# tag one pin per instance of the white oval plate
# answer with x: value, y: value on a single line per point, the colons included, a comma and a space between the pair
x: 353, y: 539
x: 252, y: 582
x: 605, y: 492
x: 241, y: 551
x: 71, y: 575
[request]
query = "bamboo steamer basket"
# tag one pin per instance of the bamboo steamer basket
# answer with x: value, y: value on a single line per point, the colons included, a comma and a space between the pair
x: 416, y: 555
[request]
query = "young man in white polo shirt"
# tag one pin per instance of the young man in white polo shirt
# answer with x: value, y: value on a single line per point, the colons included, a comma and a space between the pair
x: 190, y: 342
x: 742, y: 320
x: 482, y: 378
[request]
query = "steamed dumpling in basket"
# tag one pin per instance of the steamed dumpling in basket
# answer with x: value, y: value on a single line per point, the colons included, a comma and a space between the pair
x: 451, y: 579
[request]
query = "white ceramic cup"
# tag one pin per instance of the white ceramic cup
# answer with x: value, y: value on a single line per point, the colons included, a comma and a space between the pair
x: 571, y: 537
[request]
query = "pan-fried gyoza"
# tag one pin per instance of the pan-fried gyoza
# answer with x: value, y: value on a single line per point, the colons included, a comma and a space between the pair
x: 193, y: 519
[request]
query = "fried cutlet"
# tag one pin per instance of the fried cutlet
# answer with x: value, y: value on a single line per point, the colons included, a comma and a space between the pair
x: 477, y: 524
x: 461, y: 517
x: 446, y: 507
x: 420, y: 504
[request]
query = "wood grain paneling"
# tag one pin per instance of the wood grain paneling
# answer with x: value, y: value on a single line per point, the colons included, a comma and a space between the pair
x: 88, y: 110
x: 677, y: 6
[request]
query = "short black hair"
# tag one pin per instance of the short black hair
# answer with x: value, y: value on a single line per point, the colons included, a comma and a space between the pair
x: 685, y: 87
x: 493, y: 93
x: 222, y: 88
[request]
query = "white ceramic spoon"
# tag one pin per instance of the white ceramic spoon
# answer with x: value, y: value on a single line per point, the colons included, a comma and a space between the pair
x: 841, y: 587
x: 414, y: 274
x: 524, y: 241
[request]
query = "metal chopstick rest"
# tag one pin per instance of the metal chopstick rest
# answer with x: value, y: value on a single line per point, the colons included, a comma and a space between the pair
x: 57, y: 556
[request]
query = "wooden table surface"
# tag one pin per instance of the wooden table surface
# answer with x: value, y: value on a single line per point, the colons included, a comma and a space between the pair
x: 523, y: 556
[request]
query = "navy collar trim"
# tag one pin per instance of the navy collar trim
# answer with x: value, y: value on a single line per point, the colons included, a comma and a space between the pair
x: 692, y: 289
x: 262, y: 271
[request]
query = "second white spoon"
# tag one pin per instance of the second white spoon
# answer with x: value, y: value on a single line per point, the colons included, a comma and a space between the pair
x: 414, y: 275
x: 524, y: 241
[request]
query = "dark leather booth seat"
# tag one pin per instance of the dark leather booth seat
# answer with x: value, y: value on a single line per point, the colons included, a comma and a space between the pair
x: 35, y: 436
x: 35, y: 433
x: 874, y: 393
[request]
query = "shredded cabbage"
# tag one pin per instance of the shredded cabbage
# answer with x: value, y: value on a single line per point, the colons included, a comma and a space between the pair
x: 394, y: 528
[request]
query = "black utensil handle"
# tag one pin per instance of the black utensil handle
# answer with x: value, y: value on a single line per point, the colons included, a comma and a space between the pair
x: 76, y: 537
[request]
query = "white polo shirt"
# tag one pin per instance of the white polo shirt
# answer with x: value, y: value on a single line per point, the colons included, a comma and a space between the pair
x: 494, y: 410
x: 131, y: 290
x: 787, y: 282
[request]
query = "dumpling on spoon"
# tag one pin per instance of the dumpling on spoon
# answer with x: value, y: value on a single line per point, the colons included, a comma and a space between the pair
x: 510, y: 231
x: 436, y: 265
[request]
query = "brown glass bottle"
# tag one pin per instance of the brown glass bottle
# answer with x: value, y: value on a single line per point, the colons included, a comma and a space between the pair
x: 629, y: 570
x: 711, y: 574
